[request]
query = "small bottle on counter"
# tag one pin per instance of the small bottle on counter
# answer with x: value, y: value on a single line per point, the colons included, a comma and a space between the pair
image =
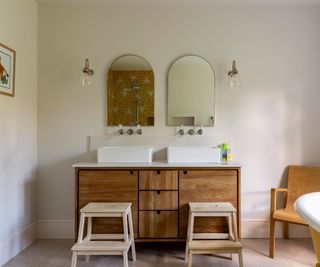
x: 224, y: 152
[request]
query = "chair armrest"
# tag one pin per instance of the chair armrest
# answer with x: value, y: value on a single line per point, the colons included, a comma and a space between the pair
x: 279, y: 189
x: 273, y: 202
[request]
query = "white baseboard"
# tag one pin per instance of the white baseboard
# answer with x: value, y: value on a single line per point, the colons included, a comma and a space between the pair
x: 260, y: 229
x: 18, y: 242
x: 56, y: 229
x: 257, y: 228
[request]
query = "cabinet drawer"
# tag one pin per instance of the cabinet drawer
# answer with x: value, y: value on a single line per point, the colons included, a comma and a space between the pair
x: 158, y: 180
x: 158, y: 224
x: 158, y: 200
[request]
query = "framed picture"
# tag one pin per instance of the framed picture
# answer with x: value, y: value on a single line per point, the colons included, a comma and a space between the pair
x: 7, y: 70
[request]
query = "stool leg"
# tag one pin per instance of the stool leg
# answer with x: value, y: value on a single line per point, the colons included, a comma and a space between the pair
x: 230, y: 226
x: 234, y: 226
x: 81, y: 228
x: 89, y: 231
x: 125, y: 259
x: 74, y: 260
x: 190, y: 259
x: 240, y: 258
x: 133, y: 248
x: 189, y: 233
x: 125, y: 227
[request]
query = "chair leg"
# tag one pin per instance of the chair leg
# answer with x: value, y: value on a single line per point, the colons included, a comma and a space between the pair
x: 285, y: 230
x: 74, y: 260
x: 125, y: 259
x: 272, y: 238
x: 240, y: 258
x: 190, y: 259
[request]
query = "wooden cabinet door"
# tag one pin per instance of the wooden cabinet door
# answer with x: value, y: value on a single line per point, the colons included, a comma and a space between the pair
x: 158, y: 224
x: 206, y: 186
x: 108, y: 186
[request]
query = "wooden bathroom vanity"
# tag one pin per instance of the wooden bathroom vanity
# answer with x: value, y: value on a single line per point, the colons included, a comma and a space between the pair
x: 159, y: 194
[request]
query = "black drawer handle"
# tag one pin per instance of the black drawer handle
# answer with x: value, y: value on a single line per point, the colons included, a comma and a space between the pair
x: 131, y: 172
x: 185, y: 172
x: 158, y: 171
x: 158, y: 211
x: 158, y: 192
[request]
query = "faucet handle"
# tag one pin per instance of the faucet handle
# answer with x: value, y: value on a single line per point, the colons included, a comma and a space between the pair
x: 139, y: 130
x: 121, y: 131
x: 181, y: 130
x: 200, y: 131
x: 130, y: 132
x: 191, y: 131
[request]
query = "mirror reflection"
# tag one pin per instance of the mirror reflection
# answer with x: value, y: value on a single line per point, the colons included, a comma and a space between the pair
x: 190, y: 92
x: 130, y: 92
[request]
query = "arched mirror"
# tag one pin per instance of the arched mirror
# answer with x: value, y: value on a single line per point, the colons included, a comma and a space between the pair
x: 191, y: 94
x: 130, y: 92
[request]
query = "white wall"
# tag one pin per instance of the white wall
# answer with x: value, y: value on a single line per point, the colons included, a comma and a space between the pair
x: 272, y: 119
x: 18, y: 131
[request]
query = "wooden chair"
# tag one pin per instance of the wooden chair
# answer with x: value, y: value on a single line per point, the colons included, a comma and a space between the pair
x: 301, y: 180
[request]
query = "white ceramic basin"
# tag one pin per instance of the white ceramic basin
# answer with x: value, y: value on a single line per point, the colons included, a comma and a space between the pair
x: 125, y: 154
x: 193, y: 154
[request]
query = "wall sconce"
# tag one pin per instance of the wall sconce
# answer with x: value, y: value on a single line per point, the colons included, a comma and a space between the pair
x: 233, y: 76
x: 87, y: 74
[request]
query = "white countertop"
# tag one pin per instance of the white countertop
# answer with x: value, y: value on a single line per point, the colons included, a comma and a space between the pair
x: 157, y: 164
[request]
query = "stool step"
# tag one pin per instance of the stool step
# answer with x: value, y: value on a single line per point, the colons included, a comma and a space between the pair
x: 106, y: 207
x: 215, y: 245
x: 101, y: 246
x: 211, y: 207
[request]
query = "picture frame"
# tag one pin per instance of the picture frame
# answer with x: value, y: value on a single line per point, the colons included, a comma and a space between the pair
x: 7, y: 70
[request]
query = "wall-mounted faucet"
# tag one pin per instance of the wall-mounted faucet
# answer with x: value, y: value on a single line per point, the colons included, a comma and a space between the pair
x: 181, y: 130
x: 139, y: 130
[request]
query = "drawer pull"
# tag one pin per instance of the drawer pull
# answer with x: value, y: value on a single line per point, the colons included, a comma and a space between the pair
x: 185, y: 172
x: 158, y: 192
x: 158, y: 172
x: 131, y: 172
x: 158, y: 211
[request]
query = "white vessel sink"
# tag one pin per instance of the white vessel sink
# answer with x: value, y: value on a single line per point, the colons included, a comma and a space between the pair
x: 193, y: 154
x: 125, y: 154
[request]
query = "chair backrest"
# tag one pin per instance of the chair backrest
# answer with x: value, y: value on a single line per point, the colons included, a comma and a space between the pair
x: 302, y: 180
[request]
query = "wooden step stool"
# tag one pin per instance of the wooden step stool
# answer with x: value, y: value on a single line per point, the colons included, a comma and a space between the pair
x: 119, y: 244
x: 208, y: 243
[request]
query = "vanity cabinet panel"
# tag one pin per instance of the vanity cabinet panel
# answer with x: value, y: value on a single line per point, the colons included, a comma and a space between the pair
x: 108, y: 186
x: 158, y: 180
x: 158, y: 224
x: 206, y: 186
x: 158, y: 200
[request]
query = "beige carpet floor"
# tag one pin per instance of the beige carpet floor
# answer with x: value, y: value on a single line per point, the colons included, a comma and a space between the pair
x: 56, y: 253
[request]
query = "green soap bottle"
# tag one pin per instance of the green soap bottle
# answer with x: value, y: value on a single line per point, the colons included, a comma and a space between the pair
x: 224, y: 152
